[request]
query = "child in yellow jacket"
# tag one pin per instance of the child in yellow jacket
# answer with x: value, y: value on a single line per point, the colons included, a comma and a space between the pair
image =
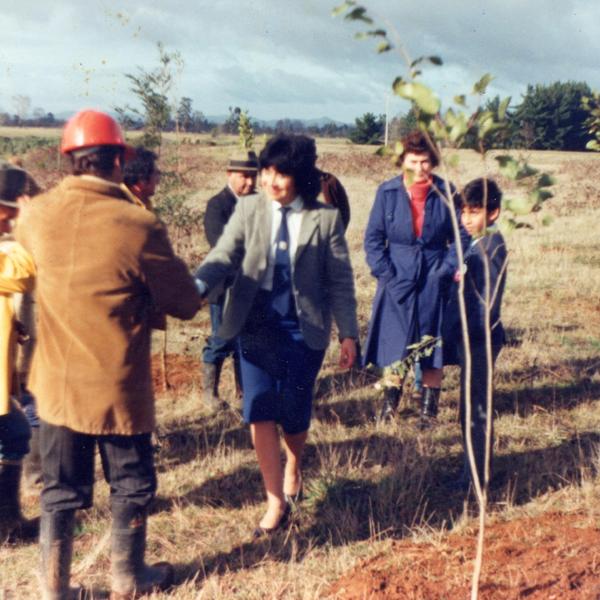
x: 17, y: 274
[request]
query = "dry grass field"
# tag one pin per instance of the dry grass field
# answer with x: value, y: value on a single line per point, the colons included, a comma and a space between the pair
x: 377, y: 521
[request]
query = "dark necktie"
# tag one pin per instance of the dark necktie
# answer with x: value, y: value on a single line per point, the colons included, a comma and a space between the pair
x: 281, y: 298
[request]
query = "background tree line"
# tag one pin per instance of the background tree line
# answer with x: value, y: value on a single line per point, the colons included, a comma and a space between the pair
x: 549, y: 117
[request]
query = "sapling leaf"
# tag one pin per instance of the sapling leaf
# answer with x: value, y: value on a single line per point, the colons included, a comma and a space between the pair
x: 546, y: 180
x: 520, y: 205
x: 359, y: 14
x: 508, y: 166
x: 460, y: 100
x: 342, y: 8
x: 526, y: 170
x: 481, y: 86
x: 547, y: 220
x: 502, y: 108
x: 383, y: 47
x: 420, y: 94
x: 453, y: 160
x: 397, y: 83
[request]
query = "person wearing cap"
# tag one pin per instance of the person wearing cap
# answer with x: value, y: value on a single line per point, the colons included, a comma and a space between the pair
x: 25, y: 313
x: 17, y: 273
x: 103, y: 265
x: 241, y: 180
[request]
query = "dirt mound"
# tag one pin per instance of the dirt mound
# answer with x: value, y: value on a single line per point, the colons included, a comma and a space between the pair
x: 176, y: 372
x: 552, y: 556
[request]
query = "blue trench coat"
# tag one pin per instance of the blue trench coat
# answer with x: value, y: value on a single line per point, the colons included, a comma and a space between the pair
x: 413, y: 274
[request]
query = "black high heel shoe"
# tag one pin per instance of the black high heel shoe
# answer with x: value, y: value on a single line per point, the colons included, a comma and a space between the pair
x: 260, y: 532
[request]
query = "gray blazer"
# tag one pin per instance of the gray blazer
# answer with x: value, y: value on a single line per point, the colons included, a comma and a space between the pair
x: 323, y: 284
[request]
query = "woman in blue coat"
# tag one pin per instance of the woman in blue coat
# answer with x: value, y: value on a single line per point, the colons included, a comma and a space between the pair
x: 409, y: 243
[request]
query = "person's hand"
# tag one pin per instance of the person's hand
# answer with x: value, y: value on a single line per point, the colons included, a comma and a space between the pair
x: 347, y: 353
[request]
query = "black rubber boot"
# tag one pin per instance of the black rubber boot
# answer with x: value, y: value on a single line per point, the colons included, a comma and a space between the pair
x: 131, y: 576
x: 32, y: 464
x: 14, y: 527
x: 391, y: 398
x: 429, y: 407
x: 210, y: 381
x: 56, y: 545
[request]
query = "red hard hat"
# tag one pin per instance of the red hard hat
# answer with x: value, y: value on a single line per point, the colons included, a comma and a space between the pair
x: 90, y: 128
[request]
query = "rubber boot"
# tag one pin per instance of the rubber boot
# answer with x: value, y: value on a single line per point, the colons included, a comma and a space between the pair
x: 429, y: 407
x: 13, y: 526
x: 131, y: 576
x: 391, y: 398
x: 210, y: 381
x: 56, y: 545
x: 32, y: 464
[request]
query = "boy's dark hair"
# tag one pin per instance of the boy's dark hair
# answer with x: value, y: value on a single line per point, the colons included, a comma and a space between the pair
x: 416, y: 142
x: 99, y: 161
x: 294, y: 155
x: 482, y: 192
x: 140, y: 167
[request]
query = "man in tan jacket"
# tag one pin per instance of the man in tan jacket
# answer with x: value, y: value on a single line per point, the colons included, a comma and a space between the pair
x: 104, y: 267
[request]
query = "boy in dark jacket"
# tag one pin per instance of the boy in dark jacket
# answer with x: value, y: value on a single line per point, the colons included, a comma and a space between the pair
x: 484, y: 274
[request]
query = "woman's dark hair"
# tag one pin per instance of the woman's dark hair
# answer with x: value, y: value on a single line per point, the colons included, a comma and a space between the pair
x: 416, y: 142
x: 99, y: 161
x: 140, y: 167
x: 482, y: 192
x: 294, y: 155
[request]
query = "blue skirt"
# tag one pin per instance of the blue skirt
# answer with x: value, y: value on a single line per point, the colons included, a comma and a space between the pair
x: 278, y: 369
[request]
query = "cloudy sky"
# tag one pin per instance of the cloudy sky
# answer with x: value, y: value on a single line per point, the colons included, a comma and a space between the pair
x: 284, y: 58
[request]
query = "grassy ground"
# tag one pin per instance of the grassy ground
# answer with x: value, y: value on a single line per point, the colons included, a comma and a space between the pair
x: 369, y: 485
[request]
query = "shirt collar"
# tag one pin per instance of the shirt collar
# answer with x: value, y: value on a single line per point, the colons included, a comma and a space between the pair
x: 95, y: 179
x: 231, y: 190
x: 489, y: 230
x: 296, y: 205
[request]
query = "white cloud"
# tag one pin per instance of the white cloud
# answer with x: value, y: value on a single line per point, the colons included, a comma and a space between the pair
x: 288, y: 59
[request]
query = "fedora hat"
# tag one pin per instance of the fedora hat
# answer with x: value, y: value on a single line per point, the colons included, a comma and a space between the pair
x: 244, y: 160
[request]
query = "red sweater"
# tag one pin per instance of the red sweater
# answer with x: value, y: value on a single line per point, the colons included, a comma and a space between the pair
x: 417, y: 193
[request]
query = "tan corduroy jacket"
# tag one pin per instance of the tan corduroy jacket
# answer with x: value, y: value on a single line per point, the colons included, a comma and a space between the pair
x: 103, y: 267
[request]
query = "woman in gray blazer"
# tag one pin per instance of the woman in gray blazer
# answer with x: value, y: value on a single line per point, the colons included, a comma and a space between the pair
x: 291, y: 274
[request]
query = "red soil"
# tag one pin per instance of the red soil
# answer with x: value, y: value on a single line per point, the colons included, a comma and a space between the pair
x: 553, y: 556
x: 181, y: 372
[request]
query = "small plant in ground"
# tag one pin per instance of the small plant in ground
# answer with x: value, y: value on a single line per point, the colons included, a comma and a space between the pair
x: 393, y: 375
x: 246, y: 131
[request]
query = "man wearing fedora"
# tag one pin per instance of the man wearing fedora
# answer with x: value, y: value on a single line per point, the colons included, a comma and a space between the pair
x: 17, y: 273
x: 242, y: 169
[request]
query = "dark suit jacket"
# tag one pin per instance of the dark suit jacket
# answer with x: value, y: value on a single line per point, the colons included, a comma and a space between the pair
x: 218, y: 211
x: 489, y: 253
x: 322, y: 279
